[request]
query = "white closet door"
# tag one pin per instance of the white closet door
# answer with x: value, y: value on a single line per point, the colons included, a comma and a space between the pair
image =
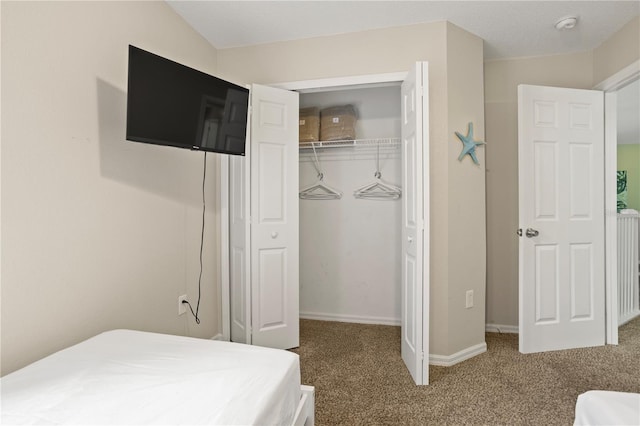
x: 239, y: 233
x: 415, y: 253
x: 274, y: 218
x: 561, y: 207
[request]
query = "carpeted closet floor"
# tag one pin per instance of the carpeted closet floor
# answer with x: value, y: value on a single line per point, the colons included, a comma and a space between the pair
x: 360, y: 379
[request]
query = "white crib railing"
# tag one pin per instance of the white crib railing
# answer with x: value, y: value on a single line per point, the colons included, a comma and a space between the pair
x: 628, y: 267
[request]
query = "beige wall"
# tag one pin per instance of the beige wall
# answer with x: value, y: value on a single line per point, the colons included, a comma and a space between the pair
x: 501, y: 79
x: 97, y: 232
x: 396, y: 50
x: 618, y: 51
x: 466, y: 197
x: 366, y: 52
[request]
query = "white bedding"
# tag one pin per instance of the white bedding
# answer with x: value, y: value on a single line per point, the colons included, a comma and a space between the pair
x: 607, y: 408
x: 131, y: 377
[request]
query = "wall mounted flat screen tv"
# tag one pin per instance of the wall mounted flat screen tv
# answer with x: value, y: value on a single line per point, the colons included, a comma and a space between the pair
x: 172, y: 104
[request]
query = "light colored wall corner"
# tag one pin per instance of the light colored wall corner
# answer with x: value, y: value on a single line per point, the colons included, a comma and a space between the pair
x: 466, y: 189
x: 97, y: 232
x: 501, y: 80
x: 618, y: 51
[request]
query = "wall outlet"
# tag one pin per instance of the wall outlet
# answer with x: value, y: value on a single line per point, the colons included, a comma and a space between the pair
x: 469, y: 299
x: 182, y: 307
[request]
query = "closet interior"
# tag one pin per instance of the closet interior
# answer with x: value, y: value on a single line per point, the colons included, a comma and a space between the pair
x: 350, y: 230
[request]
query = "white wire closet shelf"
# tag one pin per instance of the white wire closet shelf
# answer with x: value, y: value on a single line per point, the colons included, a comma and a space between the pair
x: 351, y: 143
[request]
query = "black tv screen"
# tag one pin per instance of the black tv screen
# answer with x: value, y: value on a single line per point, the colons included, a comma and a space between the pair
x: 172, y: 104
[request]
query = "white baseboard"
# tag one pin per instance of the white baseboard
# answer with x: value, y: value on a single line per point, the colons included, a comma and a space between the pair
x: 217, y: 337
x: 625, y: 318
x: 501, y: 328
x: 449, y: 360
x: 350, y: 318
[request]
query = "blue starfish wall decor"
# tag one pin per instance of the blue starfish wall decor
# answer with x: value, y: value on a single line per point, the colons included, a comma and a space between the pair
x: 469, y: 145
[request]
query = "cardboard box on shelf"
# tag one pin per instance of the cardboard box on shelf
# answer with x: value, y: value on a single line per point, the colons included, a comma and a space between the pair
x: 338, y: 123
x: 309, y: 124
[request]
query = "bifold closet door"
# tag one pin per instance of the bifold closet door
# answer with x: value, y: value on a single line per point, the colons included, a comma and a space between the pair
x: 415, y: 218
x: 239, y: 232
x: 274, y: 218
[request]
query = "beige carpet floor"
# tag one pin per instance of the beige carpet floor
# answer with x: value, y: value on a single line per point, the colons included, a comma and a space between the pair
x: 360, y: 379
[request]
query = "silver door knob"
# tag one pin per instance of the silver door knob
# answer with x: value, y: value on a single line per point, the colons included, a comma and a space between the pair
x: 410, y: 239
x: 274, y: 234
x: 530, y: 233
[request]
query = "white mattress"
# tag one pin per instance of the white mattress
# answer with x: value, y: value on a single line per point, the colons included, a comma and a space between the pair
x: 607, y: 408
x: 131, y: 377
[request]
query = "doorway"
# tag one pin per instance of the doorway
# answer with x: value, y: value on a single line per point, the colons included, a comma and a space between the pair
x: 415, y: 210
x: 628, y: 201
x: 610, y: 86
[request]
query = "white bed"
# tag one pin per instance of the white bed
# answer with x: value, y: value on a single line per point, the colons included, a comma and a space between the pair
x: 131, y: 377
x: 607, y: 408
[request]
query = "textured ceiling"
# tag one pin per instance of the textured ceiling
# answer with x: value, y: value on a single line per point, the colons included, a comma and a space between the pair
x: 509, y: 28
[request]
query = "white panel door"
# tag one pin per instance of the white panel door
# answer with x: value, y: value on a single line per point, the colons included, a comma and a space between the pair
x: 561, y: 208
x: 415, y: 271
x: 274, y: 218
x: 239, y: 232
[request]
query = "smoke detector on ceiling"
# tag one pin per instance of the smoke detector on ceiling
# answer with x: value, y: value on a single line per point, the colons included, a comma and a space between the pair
x: 567, y: 23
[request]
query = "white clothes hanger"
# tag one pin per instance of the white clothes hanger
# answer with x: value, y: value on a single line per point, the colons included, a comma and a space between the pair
x: 319, y: 190
x: 378, y: 189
